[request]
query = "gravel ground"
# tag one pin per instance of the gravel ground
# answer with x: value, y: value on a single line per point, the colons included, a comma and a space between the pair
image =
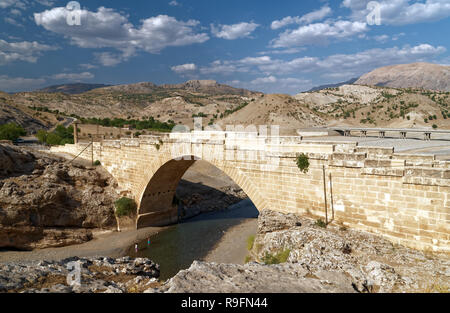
x: 112, y: 244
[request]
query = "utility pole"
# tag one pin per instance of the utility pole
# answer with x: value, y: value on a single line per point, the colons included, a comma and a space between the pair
x: 75, y: 133
x: 331, y: 198
x: 325, y: 194
x: 92, y: 151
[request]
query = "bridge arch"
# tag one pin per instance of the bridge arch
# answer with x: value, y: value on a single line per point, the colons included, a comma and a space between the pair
x: 155, y: 204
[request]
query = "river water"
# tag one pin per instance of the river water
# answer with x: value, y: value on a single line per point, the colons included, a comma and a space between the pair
x: 176, y: 247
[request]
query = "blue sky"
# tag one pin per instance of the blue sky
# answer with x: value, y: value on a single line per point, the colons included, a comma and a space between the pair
x: 271, y: 46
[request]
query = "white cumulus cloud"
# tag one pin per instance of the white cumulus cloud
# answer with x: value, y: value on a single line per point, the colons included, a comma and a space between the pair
x: 184, y: 68
x: 319, y: 33
x: 73, y: 76
x: 401, y: 12
x: 15, y: 84
x: 235, y: 31
x: 305, y: 19
x: 107, y: 28
x: 28, y: 51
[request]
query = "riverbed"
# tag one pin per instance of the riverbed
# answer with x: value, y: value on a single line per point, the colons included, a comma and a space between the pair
x: 216, y: 237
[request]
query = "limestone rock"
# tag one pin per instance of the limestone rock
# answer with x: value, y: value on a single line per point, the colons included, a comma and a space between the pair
x: 255, y: 278
x: 51, y: 203
x: 270, y: 221
x: 100, y: 274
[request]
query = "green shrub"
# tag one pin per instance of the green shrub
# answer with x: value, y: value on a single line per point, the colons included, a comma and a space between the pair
x: 280, y: 257
x: 11, y: 131
x: 125, y: 206
x: 250, y: 242
x: 321, y: 223
x: 97, y: 163
x: 435, y: 126
x: 302, y: 161
x: 60, y: 136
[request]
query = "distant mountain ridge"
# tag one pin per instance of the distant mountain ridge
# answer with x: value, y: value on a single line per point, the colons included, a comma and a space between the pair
x: 72, y: 89
x: 348, y: 82
x: 415, y: 75
x: 210, y: 87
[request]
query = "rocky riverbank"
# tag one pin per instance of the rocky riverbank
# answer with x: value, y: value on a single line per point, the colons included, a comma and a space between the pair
x: 47, y: 202
x: 96, y: 275
x: 318, y: 259
x: 289, y: 254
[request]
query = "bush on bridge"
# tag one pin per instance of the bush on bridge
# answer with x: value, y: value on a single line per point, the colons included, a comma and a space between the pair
x: 302, y: 161
x: 125, y: 206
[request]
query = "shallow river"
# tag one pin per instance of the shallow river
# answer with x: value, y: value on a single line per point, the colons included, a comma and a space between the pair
x: 176, y: 247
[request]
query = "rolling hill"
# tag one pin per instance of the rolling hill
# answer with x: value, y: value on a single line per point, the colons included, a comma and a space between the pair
x: 416, y: 75
x: 71, y: 88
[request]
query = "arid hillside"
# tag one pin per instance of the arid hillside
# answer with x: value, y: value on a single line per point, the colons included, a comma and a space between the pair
x: 351, y: 105
x: 168, y: 102
x: 275, y: 109
x: 380, y: 107
x: 416, y: 75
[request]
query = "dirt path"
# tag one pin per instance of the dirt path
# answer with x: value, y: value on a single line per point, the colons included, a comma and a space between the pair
x: 232, y: 248
x: 112, y: 244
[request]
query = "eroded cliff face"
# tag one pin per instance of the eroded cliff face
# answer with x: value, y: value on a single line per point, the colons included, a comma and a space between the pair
x: 46, y: 202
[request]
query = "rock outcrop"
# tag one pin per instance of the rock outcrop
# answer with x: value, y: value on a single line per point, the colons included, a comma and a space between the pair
x: 319, y: 259
x: 255, y: 278
x: 97, y: 275
x: 45, y: 202
x: 373, y: 263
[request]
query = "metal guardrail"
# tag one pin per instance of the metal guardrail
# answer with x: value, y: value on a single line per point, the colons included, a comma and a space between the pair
x: 346, y: 131
x: 408, y: 130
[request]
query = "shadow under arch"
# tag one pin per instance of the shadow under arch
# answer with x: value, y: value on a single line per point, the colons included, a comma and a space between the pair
x: 156, y: 207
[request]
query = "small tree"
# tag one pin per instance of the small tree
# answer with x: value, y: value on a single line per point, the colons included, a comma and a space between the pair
x: 11, y: 131
x: 125, y: 206
x: 302, y: 161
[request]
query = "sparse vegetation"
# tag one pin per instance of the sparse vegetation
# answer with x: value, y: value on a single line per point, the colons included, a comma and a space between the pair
x: 60, y: 136
x: 250, y: 242
x: 125, y: 206
x: 321, y: 223
x: 11, y: 131
x: 302, y: 161
x: 280, y: 257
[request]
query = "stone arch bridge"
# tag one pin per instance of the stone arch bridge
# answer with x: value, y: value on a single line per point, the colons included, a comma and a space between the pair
x: 402, y: 197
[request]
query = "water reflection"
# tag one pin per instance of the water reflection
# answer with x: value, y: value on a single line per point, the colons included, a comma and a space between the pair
x: 179, y: 245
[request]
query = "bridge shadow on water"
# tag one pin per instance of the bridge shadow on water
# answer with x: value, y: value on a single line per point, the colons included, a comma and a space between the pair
x: 176, y: 247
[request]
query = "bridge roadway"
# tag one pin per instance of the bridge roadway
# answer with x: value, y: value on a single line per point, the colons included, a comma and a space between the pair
x: 346, y: 131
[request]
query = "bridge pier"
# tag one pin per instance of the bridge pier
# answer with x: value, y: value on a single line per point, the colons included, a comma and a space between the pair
x: 427, y: 136
x: 363, y: 133
x: 381, y: 134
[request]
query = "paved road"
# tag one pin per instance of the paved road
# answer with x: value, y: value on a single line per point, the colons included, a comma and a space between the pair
x: 440, y: 147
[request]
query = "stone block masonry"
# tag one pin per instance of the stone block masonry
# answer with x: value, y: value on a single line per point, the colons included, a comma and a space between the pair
x: 404, y: 198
